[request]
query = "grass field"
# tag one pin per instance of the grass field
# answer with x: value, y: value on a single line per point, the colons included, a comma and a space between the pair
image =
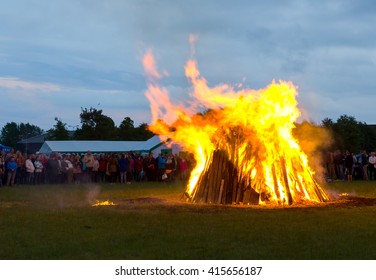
x: 149, y: 221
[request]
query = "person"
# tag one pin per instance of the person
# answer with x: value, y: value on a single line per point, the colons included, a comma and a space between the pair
x: 364, y: 160
x: 30, y: 169
x: 38, y: 164
x: 21, y: 171
x: 112, y: 168
x: 161, y: 165
x: 10, y: 154
x: 77, y: 169
x: 349, y: 165
x: 88, y: 161
x: 2, y: 167
x: 130, y: 172
x: 102, y: 168
x: 52, y: 169
x: 12, y: 170
x: 183, y: 168
x: 138, y: 166
x: 171, y: 167
x: 95, y: 169
x: 372, y: 166
x: 62, y: 169
x: 123, y: 168
x: 330, y: 166
x: 151, y: 169
x: 339, y: 164
x: 69, y: 168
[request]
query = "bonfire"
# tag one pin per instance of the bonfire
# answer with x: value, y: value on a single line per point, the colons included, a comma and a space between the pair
x: 242, y: 143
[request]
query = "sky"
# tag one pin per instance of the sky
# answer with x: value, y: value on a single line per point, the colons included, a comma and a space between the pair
x: 57, y: 57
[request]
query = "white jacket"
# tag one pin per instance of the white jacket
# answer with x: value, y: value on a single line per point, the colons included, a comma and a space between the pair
x: 29, y: 166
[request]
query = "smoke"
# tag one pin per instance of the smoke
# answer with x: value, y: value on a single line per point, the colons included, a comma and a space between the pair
x: 314, y: 141
x: 92, y: 194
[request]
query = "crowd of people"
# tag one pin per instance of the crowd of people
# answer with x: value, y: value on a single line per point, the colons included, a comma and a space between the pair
x: 347, y: 166
x: 17, y: 168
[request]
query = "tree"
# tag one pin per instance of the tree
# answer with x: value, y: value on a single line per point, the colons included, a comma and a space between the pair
x: 12, y: 132
x: 95, y: 126
x: 127, y: 131
x: 349, y: 134
x: 327, y: 123
x: 59, y: 132
x: 368, y: 137
x: 143, y: 133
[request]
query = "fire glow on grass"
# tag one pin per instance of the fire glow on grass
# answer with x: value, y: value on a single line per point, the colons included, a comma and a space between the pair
x: 243, y: 145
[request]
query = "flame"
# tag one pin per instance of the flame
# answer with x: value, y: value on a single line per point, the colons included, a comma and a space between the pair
x: 103, y: 203
x: 253, y: 128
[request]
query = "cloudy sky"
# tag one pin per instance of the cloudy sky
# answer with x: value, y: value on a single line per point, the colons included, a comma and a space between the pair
x: 57, y: 57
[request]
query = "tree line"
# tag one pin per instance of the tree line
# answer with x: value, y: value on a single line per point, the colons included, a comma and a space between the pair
x: 346, y: 133
x: 94, y: 126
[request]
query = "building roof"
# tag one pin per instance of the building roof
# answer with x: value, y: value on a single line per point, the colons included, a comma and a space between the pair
x: 71, y: 146
x: 34, y: 139
x: 40, y: 138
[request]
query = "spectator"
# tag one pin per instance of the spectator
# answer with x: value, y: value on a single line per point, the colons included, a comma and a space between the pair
x: 77, y: 169
x: 2, y: 167
x: 138, y: 166
x: 151, y: 172
x: 12, y: 171
x: 112, y: 168
x: 123, y: 168
x: 161, y: 164
x: 364, y: 161
x: 102, y: 168
x: 21, y: 171
x: 30, y: 169
x: 372, y: 166
x: 95, y: 168
x: 52, y: 169
x: 183, y: 169
x: 69, y: 168
x: 88, y: 161
x: 38, y: 164
x: 130, y: 172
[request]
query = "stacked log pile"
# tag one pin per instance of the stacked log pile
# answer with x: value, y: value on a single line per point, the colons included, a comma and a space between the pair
x: 225, y: 181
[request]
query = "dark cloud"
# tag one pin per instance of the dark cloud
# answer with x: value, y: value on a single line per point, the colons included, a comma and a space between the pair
x: 327, y: 48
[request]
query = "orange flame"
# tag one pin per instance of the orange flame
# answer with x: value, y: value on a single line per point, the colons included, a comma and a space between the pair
x: 254, y: 127
x: 103, y: 203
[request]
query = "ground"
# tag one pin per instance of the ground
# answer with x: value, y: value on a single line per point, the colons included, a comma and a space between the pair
x: 151, y: 221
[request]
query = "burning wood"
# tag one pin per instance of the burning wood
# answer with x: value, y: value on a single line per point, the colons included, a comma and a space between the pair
x: 244, y: 149
x: 103, y: 203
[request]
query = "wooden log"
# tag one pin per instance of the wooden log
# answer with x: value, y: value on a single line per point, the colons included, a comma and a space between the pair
x: 225, y: 172
x: 320, y: 193
x: 219, y: 200
x: 217, y: 179
x: 240, y: 192
x: 286, y: 180
x: 276, y: 187
x: 234, y: 182
x: 221, y: 175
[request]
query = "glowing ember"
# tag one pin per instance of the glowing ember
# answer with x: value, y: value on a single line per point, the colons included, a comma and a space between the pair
x: 243, y: 145
x: 103, y: 203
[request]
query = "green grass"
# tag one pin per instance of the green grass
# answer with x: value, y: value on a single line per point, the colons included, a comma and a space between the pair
x: 150, y: 222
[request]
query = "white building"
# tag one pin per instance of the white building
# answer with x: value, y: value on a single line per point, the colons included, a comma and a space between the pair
x: 157, y: 144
